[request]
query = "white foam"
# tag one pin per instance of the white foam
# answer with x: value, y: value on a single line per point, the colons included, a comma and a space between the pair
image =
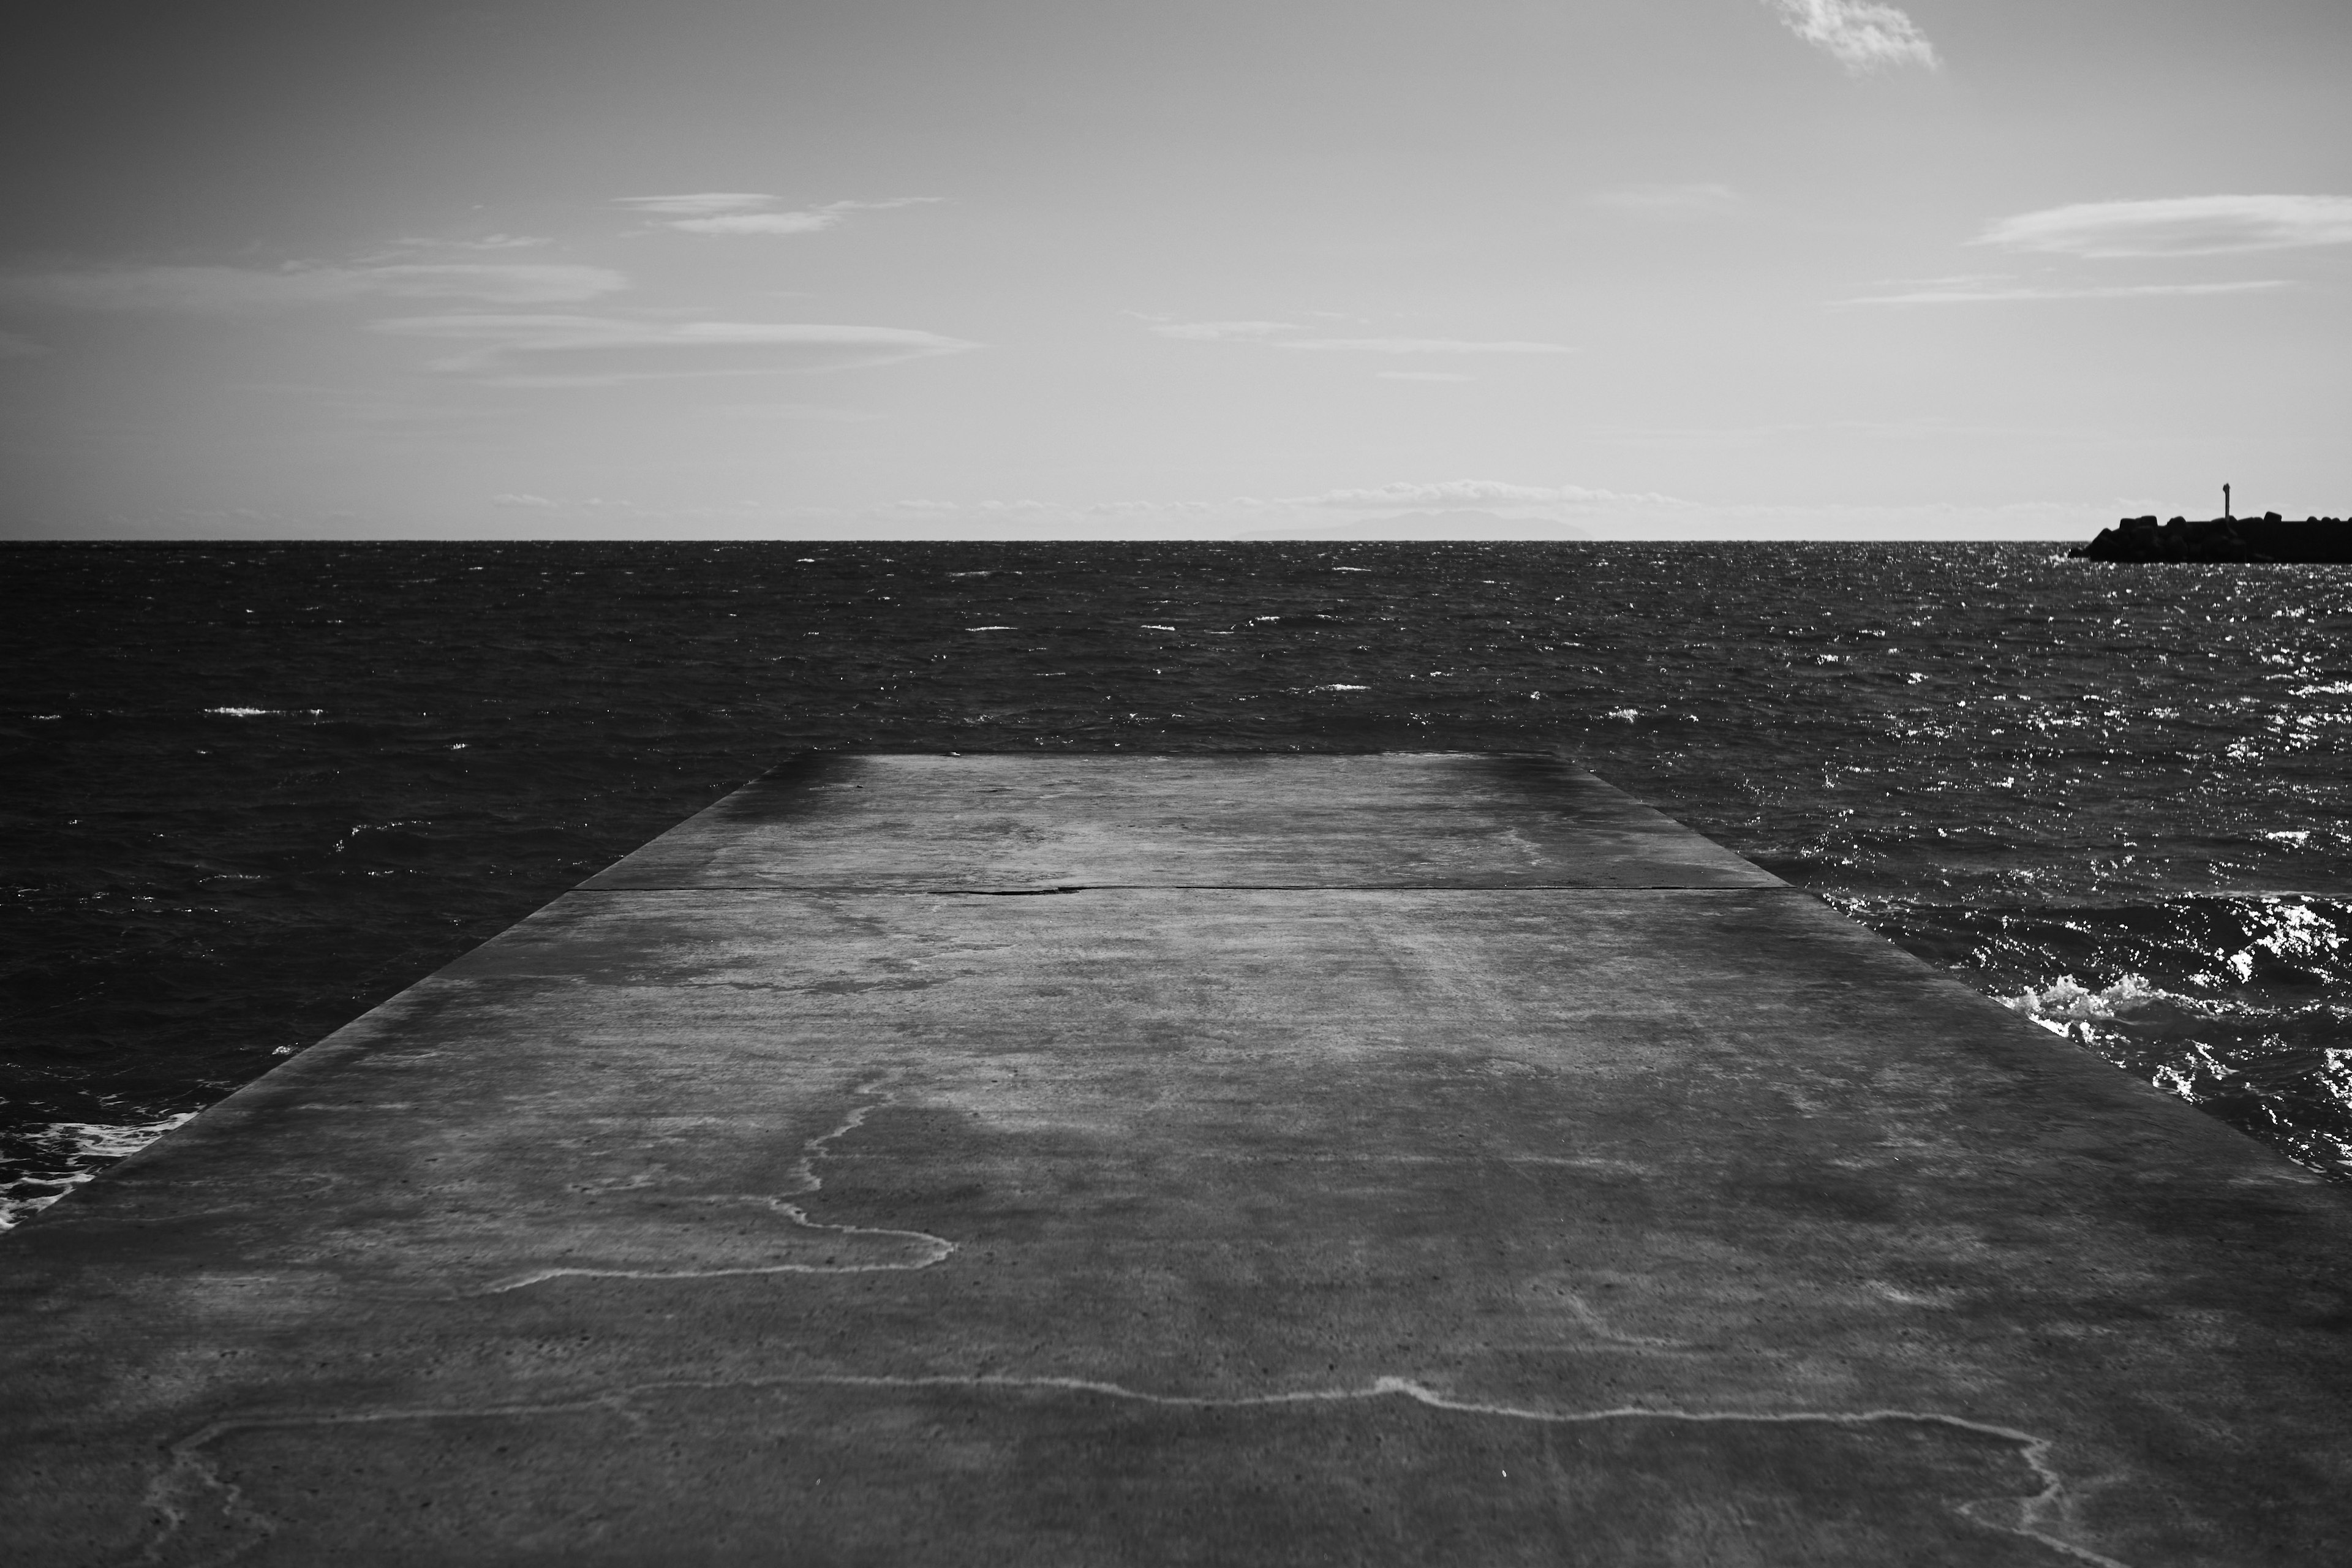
x: 84, y: 1148
x: 2066, y: 1001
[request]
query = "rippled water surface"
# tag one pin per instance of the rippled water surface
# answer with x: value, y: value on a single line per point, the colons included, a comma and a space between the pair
x: 252, y: 790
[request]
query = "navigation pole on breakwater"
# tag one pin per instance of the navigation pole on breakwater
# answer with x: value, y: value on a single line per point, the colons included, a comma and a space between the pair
x: 2267, y: 540
x: 1235, y: 1160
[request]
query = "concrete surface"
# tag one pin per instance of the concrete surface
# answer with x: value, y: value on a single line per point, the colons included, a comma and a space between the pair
x: 1351, y: 1171
x: 1022, y: 822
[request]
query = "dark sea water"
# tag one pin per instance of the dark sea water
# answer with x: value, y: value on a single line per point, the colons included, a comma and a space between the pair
x: 251, y: 790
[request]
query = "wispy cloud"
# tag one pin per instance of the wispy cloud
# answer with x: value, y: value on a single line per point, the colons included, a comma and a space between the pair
x: 1475, y: 509
x: 749, y: 211
x: 1861, y: 34
x: 578, y: 351
x: 759, y: 223
x: 1423, y: 346
x: 1214, y: 331
x: 486, y: 242
x: 237, y: 290
x: 1996, y: 290
x: 701, y: 203
x: 12, y: 346
x: 1456, y: 492
x: 525, y: 501
x: 2177, y: 225
x: 1684, y: 201
x: 1287, y: 335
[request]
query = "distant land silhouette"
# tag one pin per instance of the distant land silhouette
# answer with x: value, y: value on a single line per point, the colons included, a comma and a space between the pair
x: 2269, y: 537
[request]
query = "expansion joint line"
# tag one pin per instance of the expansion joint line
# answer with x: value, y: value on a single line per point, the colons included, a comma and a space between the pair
x: 188, y: 1476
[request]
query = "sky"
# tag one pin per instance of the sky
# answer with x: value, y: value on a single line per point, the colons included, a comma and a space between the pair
x: 1101, y: 268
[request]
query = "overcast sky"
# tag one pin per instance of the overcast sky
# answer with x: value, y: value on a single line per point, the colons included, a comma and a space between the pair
x: 1085, y: 267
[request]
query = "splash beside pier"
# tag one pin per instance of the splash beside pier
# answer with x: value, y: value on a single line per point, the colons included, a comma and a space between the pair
x: 1215, y: 1160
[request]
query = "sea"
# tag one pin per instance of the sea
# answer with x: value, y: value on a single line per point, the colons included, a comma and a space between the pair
x: 251, y: 790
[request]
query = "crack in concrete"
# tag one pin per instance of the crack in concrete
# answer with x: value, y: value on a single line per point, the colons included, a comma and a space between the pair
x: 188, y: 1474
x: 933, y: 1249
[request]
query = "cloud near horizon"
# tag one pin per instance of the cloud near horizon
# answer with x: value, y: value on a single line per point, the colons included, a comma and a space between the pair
x: 759, y: 223
x: 1480, y: 508
x: 745, y: 212
x: 582, y: 350
x: 2177, y: 225
x: 1863, y: 36
x: 486, y: 242
x: 1283, y: 335
x: 701, y: 203
x: 1223, y: 331
x: 1996, y: 290
x: 229, y: 290
x: 1486, y: 492
x: 1396, y: 496
x: 528, y: 501
x: 1425, y: 346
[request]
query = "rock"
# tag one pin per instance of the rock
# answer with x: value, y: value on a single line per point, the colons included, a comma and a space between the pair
x: 2253, y: 541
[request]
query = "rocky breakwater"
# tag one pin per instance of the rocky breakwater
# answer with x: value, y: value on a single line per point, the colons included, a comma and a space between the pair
x: 2269, y: 537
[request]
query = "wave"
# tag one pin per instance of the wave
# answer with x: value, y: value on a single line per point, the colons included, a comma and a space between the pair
x: 49, y: 1161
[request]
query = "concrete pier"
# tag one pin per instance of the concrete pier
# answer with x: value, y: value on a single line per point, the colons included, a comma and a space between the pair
x: 1043, y: 1160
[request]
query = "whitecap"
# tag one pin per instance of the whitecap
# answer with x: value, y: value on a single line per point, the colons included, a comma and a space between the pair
x: 2067, y: 1002
x: 76, y: 1151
